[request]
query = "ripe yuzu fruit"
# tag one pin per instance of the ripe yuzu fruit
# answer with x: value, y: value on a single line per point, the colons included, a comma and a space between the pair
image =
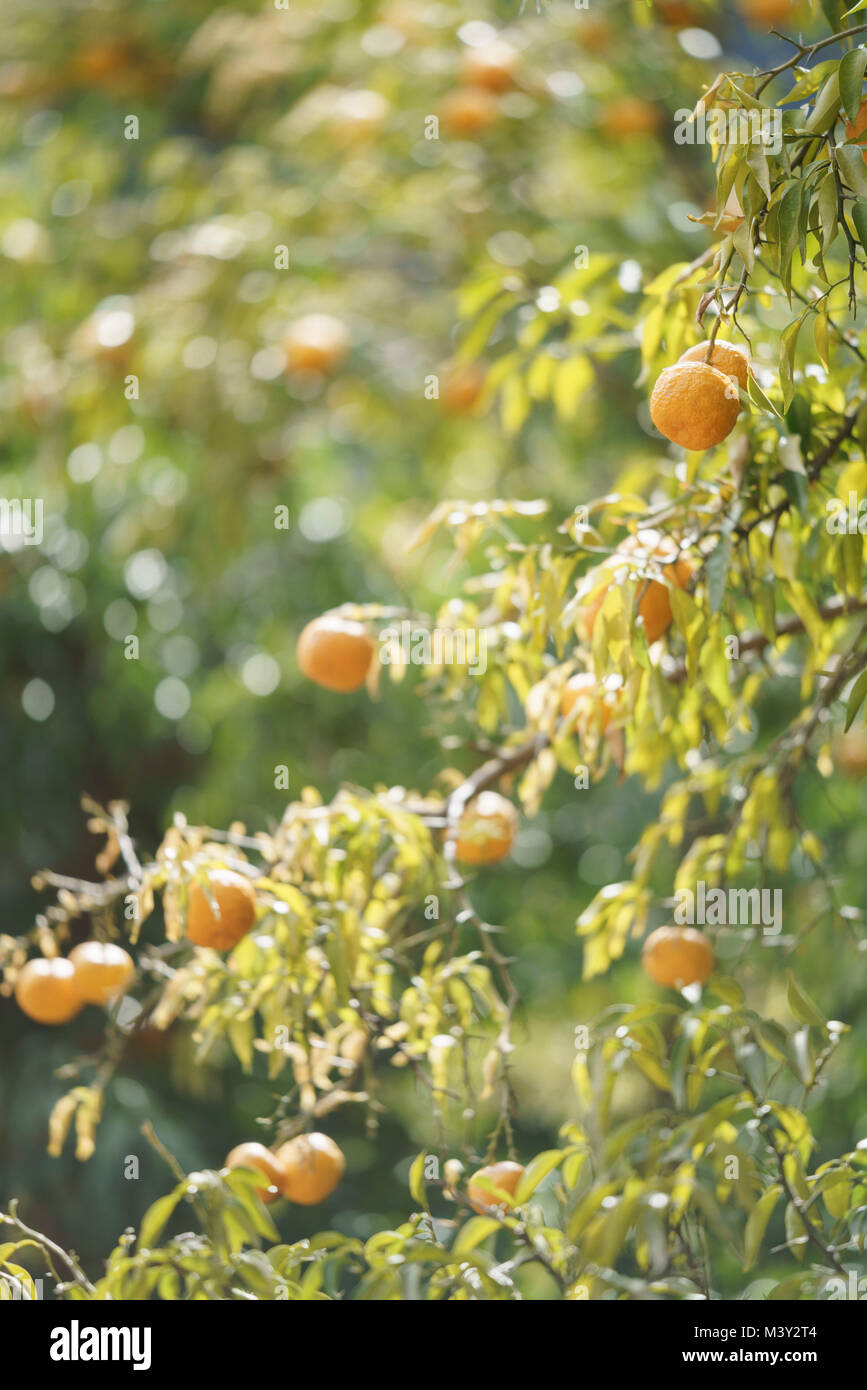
x: 629, y: 115
x: 335, y: 652
x: 486, y: 830
x: 462, y: 388
x: 102, y: 970
x: 497, y: 1185
x: 236, y: 910
x: 694, y: 405
x: 254, y: 1155
x: 491, y: 66
x: 678, y: 956
x: 469, y: 111
x: 315, y: 343
x: 850, y: 752
x: 766, y: 11
x: 726, y: 357
x: 45, y: 990
x: 586, y: 703
x: 312, y: 1166
x: 647, y: 548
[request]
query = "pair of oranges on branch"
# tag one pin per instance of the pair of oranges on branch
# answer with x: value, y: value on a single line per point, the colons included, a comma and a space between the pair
x: 54, y: 989
x: 695, y: 403
x: 306, y: 1170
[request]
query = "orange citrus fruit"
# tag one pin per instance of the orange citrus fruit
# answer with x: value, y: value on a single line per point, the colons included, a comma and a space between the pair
x: 765, y: 11
x: 469, y: 111
x: 630, y: 116
x: 678, y: 956
x: 587, y: 703
x: 45, y: 990
x: 312, y: 1167
x: 316, y: 343
x: 497, y: 1185
x: 487, y: 829
x: 694, y: 405
x: 491, y: 66
x: 118, y: 66
x: 102, y: 970
x: 726, y: 357
x: 677, y: 13
x: 462, y: 388
x: 850, y: 752
x: 650, y: 549
x: 235, y: 915
x: 253, y: 1155
x: 594, y: 32
x: 335, y: 652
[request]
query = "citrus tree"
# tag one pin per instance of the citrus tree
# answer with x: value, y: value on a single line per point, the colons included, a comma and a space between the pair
x: 700, y: 634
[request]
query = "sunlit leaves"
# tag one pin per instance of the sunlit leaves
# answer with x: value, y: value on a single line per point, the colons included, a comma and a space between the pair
x: 801, y: 1004
x: 155, y: 1218
x: 757, y: 1223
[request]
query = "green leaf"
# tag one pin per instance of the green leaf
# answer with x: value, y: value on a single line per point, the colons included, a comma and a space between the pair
x: 796, y: 1232
x: 155, y: 1218
x: 837, y: 1195
x: 789, y: 219
x: 757, y: 1223
x: 801, y: 1005
x: 821, y: 337
x: 727, y: 989
x: 572, y: 1167
x: 850, y: 162
x: 416, y: 1181
x: 241, y: 1035
x: 743, y: 240
x: 809, y: 81
x: 796, y: 1177
x: 541, y: 375
x: 757, y: 159
x: 652, y: 1069
x: 335, y: 950
x: 477, y: 336
x: 790, y: 1289
x: 856, y: 699
x: 478, y: 293
x: 587, y: 1208
x: 536, y: 1171
x: 477, y: 1229
x: 765, y: 604
x: 852, y: 67
x: 571, y: 380
x: 514, y: 405
x: 716, y: 573
x: 788, y: 344
x: 826, y: 210
x: 758, y: 397
x: 824, y: 112
x: 859, y: 217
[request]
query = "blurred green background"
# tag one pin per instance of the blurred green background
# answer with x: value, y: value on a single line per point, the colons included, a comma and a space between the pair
x: 154, y: 258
